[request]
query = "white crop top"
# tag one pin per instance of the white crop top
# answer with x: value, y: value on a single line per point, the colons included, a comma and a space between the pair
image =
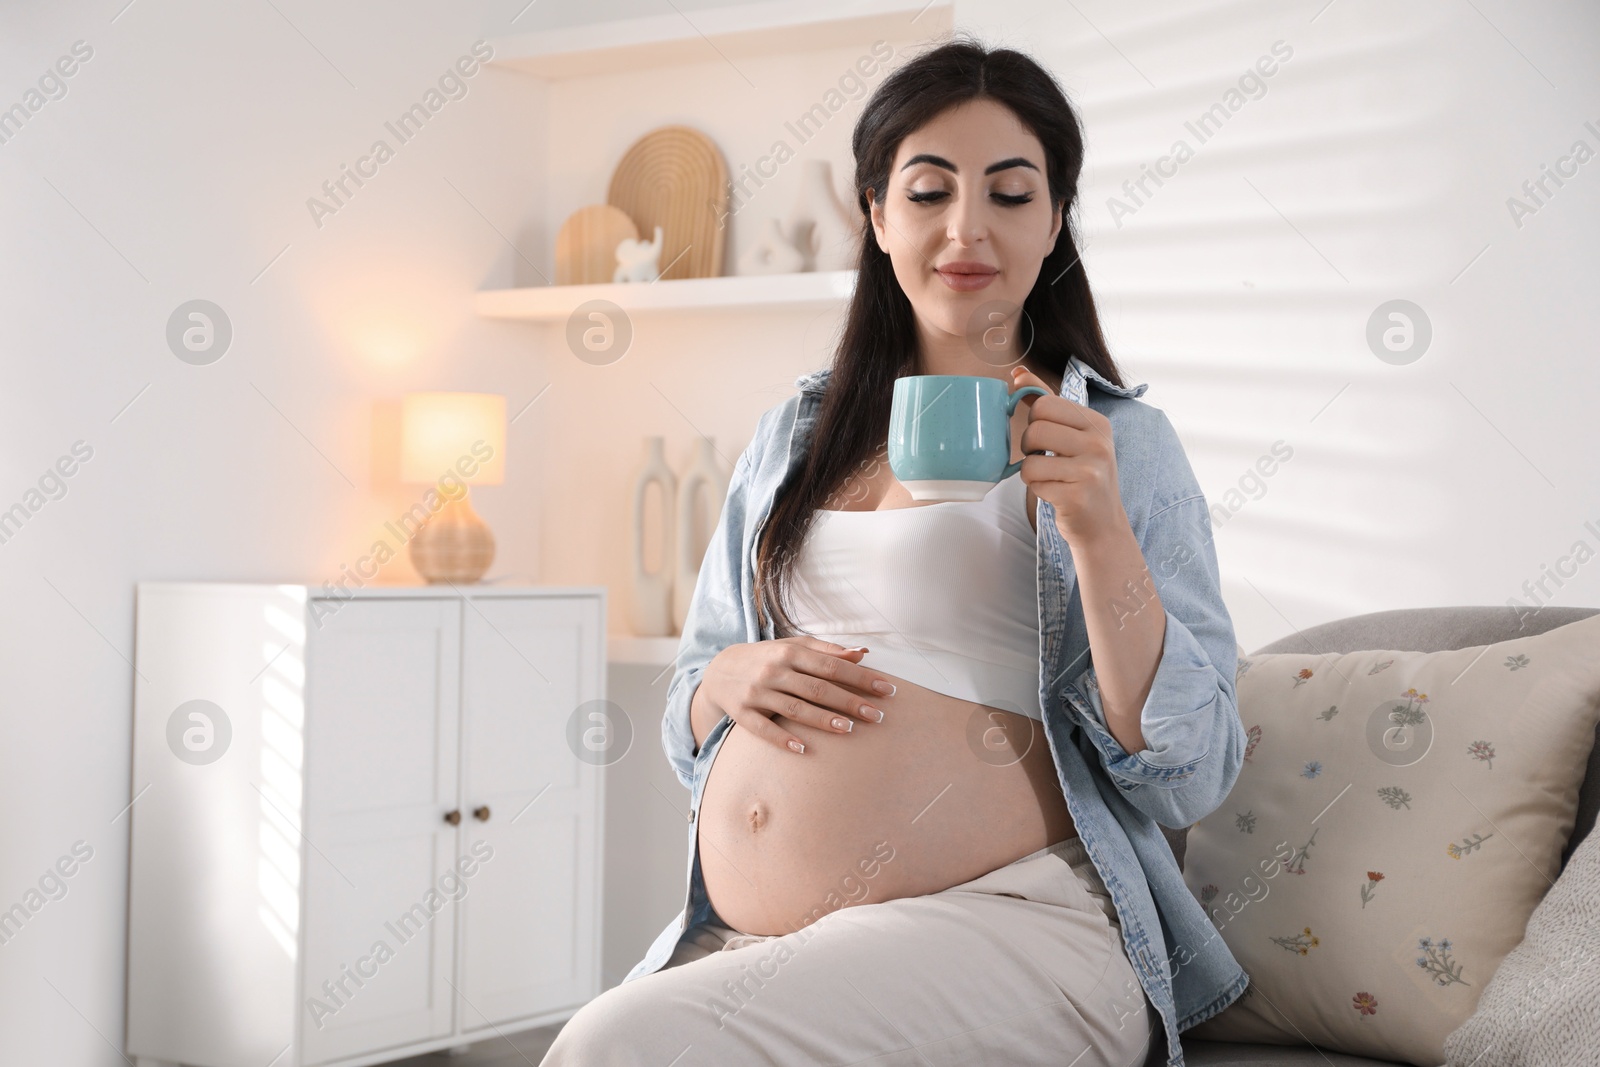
x: 944, y: 595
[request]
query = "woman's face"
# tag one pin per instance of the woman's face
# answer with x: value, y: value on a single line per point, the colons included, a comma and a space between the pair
x: 967, y: 218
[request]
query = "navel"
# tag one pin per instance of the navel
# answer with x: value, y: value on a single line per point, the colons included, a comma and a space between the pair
x: 757, y: 816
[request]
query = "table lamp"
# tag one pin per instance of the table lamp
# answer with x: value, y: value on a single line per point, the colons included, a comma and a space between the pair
x: 451, y: 441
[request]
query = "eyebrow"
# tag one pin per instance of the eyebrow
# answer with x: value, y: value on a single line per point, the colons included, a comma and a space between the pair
x: 940, y: 161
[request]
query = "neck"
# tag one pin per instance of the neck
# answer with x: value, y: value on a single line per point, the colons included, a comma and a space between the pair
x: 981, y: 354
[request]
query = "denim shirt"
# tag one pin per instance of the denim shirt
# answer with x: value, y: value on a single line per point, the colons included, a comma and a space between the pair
x: 1118, y: 800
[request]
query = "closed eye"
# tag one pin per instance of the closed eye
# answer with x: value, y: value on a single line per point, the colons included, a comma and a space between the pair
x: 938, y: 194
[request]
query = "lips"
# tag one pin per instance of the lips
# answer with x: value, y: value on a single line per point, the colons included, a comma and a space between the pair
x: 965, y: 277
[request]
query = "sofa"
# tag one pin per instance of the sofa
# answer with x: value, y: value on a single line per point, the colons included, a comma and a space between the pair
x: 1418, y: 630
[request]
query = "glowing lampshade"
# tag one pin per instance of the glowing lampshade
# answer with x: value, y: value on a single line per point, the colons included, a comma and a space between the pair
x: 453, y: 433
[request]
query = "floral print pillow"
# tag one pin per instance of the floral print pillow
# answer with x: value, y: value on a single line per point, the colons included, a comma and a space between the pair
x: 1397, y: 818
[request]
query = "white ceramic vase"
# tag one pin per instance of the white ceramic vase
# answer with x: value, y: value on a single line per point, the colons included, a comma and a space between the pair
x: 772, y: 253
x: 819, y: 224
x: 652, y: 592
x: 701, y: 492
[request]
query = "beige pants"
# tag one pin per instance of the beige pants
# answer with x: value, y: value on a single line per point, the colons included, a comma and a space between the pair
x: 1023, y: 965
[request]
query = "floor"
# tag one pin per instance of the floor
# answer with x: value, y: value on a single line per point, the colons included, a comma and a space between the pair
x: 524, y: 1049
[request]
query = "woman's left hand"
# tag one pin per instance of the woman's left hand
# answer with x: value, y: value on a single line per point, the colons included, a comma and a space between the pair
x: 1080, y: 480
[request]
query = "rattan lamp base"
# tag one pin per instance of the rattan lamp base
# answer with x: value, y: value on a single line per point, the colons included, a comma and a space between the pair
x: 455, y: 545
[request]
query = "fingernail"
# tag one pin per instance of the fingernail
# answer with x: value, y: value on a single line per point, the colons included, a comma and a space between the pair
x: 872, y: 713
x: 858, y: 648
x: 843, y: 724
x: 797, y: 746
x: 886, y: 688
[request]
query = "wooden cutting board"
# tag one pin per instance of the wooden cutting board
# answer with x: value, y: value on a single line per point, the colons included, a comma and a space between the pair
x: 675, y: 178
x: 586, y: 246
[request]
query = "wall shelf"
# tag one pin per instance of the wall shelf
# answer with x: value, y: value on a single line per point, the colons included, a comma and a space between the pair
x: 793, y: 292
x: 704, y: 35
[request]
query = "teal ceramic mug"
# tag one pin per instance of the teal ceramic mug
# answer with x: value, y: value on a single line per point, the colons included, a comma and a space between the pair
x: 950, y: 434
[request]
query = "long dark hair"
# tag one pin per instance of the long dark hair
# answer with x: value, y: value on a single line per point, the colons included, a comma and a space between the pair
x: 879, y: 340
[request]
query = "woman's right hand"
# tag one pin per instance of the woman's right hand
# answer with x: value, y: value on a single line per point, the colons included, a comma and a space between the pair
x: 802, y: 679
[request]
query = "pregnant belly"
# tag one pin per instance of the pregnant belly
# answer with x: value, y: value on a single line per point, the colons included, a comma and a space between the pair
x: 940, y: 792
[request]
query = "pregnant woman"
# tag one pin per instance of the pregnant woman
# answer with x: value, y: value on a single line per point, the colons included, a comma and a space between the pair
x: 930, y: 747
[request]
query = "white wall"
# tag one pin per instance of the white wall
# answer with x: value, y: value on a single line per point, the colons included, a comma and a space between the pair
x: 176, y: 167
x: 179, y: 162
x: 1376, y: 165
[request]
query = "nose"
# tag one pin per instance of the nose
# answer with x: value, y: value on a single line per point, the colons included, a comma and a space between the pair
x: 968, y: 224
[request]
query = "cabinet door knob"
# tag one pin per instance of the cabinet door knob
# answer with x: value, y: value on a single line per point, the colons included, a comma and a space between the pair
x: 453, y: 818
x: 481, y: 814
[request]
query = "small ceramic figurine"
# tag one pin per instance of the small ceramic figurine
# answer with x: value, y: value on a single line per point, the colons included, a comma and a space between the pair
x: 637, y: 261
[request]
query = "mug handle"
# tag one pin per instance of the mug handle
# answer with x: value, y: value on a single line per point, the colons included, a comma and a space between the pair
x: 1011, y: 408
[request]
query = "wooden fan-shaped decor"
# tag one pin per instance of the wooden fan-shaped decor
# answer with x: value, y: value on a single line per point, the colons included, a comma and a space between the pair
x: 675, y: 178
x: 586, y: 246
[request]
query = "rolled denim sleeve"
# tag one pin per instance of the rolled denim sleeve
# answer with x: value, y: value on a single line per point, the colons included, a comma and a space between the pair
x: 1190, y: 719
x: 716, y: 619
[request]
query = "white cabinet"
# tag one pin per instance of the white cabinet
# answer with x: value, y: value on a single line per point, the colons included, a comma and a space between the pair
x: 361, y: 827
